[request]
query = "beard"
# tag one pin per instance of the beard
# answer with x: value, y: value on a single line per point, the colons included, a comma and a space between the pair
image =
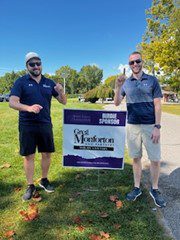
x: 136, y: 70
x: 35, y: 73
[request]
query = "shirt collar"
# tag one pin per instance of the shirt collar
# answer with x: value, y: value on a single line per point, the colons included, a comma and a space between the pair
x: 28, y: 77
x: 143, y: 77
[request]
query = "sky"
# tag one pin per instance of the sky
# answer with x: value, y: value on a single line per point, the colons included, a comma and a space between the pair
x: 71, y: 32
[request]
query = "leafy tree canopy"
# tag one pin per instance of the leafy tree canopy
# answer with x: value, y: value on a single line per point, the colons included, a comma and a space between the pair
x: 160, y: 46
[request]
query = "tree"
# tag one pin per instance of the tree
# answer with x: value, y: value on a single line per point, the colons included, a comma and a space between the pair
x: 69, y: 76
x: 160, y: 46
x: 110, y: 81
x: 7, y: 81
x: 92, y: 95
x: 158, y: 19
x: 102, y: 91
x: 90, y: 77
x: 105, y: 92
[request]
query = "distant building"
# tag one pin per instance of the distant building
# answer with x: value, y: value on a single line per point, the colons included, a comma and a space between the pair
x: 169, y: 96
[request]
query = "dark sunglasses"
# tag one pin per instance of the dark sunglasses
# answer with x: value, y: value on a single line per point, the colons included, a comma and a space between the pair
x: 32, y: 64
x: 137, y: 61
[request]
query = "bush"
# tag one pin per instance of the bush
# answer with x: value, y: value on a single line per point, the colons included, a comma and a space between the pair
x: 91, y: 95
x: 72, y: 95
x: 102, y: 91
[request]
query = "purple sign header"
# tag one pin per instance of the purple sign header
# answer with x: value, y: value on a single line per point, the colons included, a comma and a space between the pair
x: 101, y: 118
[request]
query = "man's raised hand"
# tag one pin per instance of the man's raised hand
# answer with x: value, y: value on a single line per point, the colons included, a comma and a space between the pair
x: 120, y: 80
x: 59, y: 89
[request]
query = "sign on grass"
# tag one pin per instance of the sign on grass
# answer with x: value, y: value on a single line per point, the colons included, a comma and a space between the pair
x: 94, y: 139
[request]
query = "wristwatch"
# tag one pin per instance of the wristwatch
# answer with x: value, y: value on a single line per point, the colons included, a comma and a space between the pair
x: 158, y: 126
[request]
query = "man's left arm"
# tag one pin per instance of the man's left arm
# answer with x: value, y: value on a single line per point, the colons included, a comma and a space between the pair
x: 61, y: 96
x: 156, y: 131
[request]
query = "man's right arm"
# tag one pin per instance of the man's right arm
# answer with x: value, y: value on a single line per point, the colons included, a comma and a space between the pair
x: 15, y: 104
x: 118, y: 85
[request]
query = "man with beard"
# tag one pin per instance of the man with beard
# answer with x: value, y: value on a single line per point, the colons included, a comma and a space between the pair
x: 31, y: 95
x: 143, y: 98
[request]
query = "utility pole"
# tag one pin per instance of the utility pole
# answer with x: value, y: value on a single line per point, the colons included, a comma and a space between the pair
x: 64, y: 75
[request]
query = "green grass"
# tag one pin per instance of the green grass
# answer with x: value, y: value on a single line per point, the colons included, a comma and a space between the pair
x: 171, y: 108
x: 58, y: 210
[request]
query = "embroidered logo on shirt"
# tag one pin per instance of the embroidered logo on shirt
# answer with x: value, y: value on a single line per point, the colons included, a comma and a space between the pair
x: 46, y: 86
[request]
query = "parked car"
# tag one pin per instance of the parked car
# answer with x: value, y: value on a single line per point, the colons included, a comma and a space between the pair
x: 109, y: 100
x: 4, y: 97
x: 81, y: 99
x: 1, y: 98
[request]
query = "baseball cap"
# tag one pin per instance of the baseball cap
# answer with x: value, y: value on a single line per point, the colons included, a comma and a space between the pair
x: 31, y: 55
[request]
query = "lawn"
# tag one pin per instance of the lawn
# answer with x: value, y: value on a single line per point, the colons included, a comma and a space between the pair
x: 171, y: 108
x: 70, y: 212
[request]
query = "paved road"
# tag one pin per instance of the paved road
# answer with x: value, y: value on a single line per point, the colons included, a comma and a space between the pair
x: 169, y: 182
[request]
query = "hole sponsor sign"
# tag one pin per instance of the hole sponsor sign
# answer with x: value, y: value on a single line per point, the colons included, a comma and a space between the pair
x: 94, y: 139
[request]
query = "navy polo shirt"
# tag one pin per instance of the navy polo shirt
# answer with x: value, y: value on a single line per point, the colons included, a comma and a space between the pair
x: 30, y: 92
x: 140, y: 96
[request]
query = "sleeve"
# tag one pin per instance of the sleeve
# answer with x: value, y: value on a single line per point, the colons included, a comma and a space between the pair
x: 122, y: 92
x: 54, y: 93
x: 157, y: 93
x: 16, y: 89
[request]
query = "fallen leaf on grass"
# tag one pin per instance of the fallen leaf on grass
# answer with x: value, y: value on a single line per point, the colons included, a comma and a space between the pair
x: 5, y: 165
x: 33, y: 211
x: 78, y: 176
x: 104, y: 235
x: 80, y: 228
x: 24, y: 214
x: 18, y: 189
x: 90, y: 221
x: 104, y: 215
x: 37, y: 197
x: 9, y: 233
x: 31, y: 214
x: 113, y: 198
x: 84, y: 212
x: 94, y: 237
x: 119, y: 204
x: 77, y: 220
x: 117, y: 226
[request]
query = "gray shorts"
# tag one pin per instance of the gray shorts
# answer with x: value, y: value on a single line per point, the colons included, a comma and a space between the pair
x: 138, y: 134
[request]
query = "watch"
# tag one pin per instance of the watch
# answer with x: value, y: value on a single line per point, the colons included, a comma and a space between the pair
x: 158, y: 126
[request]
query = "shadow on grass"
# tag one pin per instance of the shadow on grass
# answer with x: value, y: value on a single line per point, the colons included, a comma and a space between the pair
x: 71, y: 206
x: 7, y: 190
